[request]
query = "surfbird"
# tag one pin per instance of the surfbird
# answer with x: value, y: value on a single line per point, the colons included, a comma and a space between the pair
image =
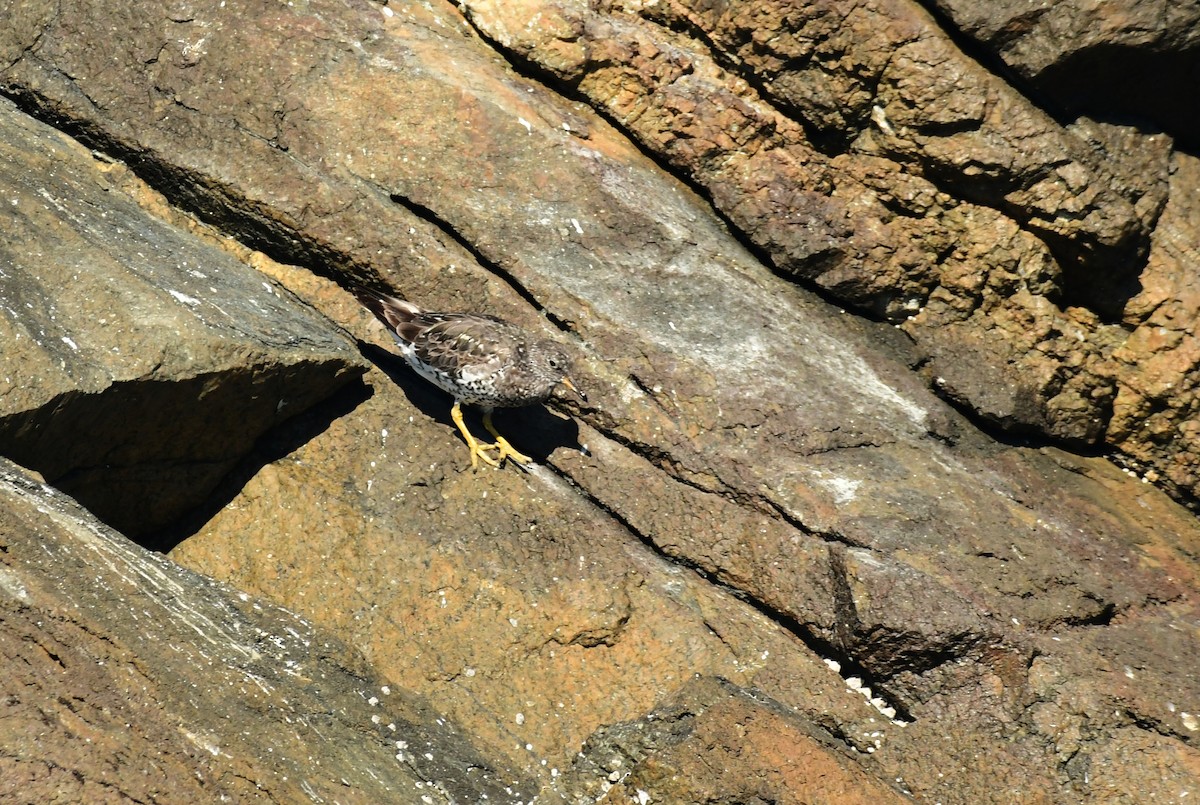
x: 480, y: 360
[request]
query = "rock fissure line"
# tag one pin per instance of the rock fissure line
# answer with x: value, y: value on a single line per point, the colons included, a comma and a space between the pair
x: 847, y: 665
x: 734, y: 495
x: 831, y: 537
x: 650, y: 394
x: 1027, y: 437
x: 532, y: 71
x: 430, y: 216
x: 1156, y: 726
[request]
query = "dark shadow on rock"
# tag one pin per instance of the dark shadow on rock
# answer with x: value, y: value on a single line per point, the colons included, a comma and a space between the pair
x: 276, y: 443
x: 534, y: 430
x: 1138, y: 85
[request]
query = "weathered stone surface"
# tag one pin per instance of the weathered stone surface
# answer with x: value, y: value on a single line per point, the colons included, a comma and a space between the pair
x: 903, y: 90
x: 885, y: 165
x: 129, y: 678
x: 509, y: 599
x: 766, y: 484
x: 860, y: 148
x: 712, y: 742
x: 1136, y: 58
x: 1156, y: 414
x: 528, y: 614
x: 139, y: 363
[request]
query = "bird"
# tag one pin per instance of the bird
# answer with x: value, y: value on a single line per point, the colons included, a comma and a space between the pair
x: 478, y: 359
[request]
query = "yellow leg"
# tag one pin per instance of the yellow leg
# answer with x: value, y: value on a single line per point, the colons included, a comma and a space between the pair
x: 506, y: 449
x: 477, y: 449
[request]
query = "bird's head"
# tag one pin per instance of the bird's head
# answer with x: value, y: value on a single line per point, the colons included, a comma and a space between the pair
x: 551, y: 364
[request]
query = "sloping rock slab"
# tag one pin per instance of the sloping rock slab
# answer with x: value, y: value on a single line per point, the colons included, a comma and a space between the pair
x: 716, y: 742
x: 129, y: 678
x: 139, y: 362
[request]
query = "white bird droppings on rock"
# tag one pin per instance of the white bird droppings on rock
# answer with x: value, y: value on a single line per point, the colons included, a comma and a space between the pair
x: 184, y: 298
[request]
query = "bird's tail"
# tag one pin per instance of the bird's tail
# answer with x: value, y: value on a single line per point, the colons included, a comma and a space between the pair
x: 391, y: 310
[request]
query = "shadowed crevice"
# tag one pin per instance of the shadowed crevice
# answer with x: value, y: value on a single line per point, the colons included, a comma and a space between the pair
x: 274, y: 445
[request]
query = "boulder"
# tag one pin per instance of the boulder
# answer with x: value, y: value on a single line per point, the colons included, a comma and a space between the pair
x: 761, y: 488
x: 140, y: 363
x: 133, y: 679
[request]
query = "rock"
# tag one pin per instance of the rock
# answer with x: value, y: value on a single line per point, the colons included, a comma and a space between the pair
x: 516, y: 605
x: 712, y: 742
x: 1119, y: 59
x: 866, y: 153
x: 132, y: 678
x: 1156, y: 413
x: 522, y: 608
x: 140, y: 363
x: 903, y: 90
x: 762, y: 488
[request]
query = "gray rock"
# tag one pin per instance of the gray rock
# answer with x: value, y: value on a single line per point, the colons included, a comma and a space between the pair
x: 131, y: 678
x: 140, y: 363
x: 769, y: 492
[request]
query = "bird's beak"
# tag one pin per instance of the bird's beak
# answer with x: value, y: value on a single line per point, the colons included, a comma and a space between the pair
x: 566, y: 381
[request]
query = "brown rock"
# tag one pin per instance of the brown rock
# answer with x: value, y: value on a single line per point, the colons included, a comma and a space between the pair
x: 760, y: 489
x: 903, y: 178
x: 904, y: 90
x: 140, y: 364
x: 1156, y: 413
x: 713, y: 742
x: 1128, y: 58
x: 508, y: 599
x: 132, y: 679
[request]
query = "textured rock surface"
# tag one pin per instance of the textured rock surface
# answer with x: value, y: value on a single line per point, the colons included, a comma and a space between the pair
x: 714, y: 743
x: 859, y: 147
x: 1156, y: 415
x: 761, y: 489
x: 139, y: 363
x: 130, y: 679
x: 1135, y: 58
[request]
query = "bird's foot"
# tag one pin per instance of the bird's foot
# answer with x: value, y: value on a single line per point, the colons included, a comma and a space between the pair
x: 503, y: 450
x: 479, y: 452
x: 501, y: 445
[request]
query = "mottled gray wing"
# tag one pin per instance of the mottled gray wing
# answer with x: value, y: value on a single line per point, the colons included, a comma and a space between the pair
x: 461, y: 343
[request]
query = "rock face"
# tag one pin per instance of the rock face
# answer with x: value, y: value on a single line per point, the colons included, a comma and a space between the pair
x: 131, y: 679
x: 140, y: 364
x: 772, y: 558
x: 863, y: 150
x: 1130, y: 57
